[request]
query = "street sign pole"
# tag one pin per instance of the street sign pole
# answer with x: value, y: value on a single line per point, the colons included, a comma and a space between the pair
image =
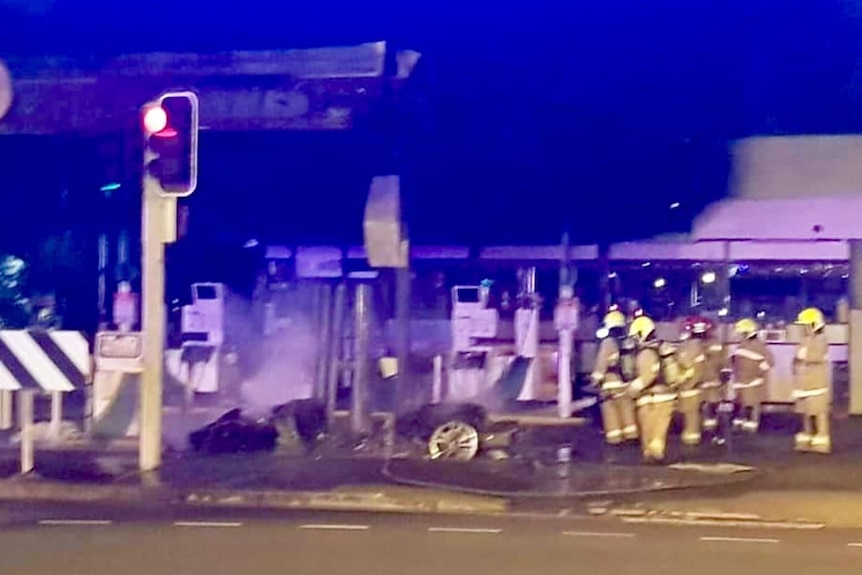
x: 155, y: 230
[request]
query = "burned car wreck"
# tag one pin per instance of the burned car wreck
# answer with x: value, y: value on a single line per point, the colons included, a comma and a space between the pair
x: 458, y: 431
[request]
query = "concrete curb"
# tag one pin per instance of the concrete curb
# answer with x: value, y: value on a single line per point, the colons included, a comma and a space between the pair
x: 726, y: 480
x: 35, y: 489
x: 39, y: 490
x: 717, y: 519
x: 376, y: 501
x: 760, y: 523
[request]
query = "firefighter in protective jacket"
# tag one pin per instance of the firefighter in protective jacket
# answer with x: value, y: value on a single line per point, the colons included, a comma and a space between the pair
x: 692, y: 359
x: 811, y: 369
x: 714, y: 371
x: 654, y: 398
x: 752, y: 362
x: 611, y: 373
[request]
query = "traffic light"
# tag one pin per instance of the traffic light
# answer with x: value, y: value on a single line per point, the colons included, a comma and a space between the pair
x: 171, y: 142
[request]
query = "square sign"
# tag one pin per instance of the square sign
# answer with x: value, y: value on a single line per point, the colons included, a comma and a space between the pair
x: 119, y: 352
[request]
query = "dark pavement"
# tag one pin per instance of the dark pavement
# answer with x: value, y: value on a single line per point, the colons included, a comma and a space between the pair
x: 515, y: 478
x: 90, y: 541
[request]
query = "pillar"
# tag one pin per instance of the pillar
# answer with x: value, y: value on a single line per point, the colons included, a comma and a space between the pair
x: 854, y: 355
x: 360, y: 423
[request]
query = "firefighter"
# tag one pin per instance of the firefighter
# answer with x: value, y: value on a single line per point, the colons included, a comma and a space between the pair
x: 609, y: 376
x: 811, y: 369
x: 654, y: 399
x: 691, y: 357
x: 714, y: 370
x: 752, y: 361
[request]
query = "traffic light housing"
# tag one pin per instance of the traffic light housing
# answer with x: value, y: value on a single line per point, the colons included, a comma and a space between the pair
x: 170, y: 126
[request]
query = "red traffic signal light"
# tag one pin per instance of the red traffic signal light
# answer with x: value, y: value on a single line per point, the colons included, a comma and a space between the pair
x: 155, y: 119
x: 171, y: 131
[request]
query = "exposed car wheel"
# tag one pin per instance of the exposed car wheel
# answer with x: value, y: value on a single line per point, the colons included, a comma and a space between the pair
x: 454, y: 440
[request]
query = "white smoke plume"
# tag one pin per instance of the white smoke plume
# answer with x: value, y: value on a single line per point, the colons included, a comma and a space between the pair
x: 281, y: 366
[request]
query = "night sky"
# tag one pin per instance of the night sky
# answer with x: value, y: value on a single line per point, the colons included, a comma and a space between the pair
x: 587, y: 116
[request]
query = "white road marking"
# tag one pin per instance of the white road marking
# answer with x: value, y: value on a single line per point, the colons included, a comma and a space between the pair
x: 854, y: 545
x: 739, y: 540
x: 75, y: 522
x: 723, y: 523
x: 207, y: 524
x: 335, y: 527
x: 464, y: 530
x: 596, y: 534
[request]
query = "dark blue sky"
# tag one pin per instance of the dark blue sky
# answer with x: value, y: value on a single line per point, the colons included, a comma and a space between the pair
x: 588, y: 115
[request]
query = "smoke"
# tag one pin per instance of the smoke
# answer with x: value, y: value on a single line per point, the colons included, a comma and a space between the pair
x: 281, y: 366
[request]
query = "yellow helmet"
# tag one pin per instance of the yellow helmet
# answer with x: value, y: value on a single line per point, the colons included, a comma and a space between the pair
x: 746, y: 327
x: 811, y: 317
x: 641, y: 328
x: 614, y: 318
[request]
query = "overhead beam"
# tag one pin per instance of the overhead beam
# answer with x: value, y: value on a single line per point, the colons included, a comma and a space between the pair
x: 317, y: 89
x: 98, y: 105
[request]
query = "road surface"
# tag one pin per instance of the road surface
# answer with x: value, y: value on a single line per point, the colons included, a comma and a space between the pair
x: 90, y: 541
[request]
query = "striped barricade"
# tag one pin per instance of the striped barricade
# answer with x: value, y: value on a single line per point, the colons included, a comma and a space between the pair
x: 33, y: 361
x: 47, y: 361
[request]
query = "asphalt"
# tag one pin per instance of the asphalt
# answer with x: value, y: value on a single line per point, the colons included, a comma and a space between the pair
x: 95, y: 541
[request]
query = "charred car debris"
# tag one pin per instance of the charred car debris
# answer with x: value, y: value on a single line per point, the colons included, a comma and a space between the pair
x: 458, y: 431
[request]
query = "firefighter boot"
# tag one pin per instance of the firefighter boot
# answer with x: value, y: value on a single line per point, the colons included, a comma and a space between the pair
x: 611, y: 421
x: 646, y: 425
x: 662, y: 414
x: 689, y: 406
x: 803, y: 438
x: 752, y: 419
x: 710, y: 417
x: 821, y: 442
x: 628, y: 420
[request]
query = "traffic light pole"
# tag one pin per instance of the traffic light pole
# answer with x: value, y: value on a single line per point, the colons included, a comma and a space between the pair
x: 170, y: 141
x: 155, y: 232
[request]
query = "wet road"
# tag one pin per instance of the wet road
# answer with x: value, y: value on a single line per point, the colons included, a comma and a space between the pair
x: 91, y: 541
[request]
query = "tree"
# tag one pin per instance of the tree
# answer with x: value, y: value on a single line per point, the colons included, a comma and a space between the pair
x: 15, y: 309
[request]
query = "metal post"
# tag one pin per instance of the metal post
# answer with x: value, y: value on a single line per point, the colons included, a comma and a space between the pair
x: 565, y: 331
x: 103, y: 280
x: 437, y: 388
x: 564, y: 380
x: 726, y: 417
x: 194, y: 369
x: 359, y: 423
x: 404, y: 392
x: 335, y: 349
x: 154, y: 233
x: 855, y: 347
x: 325, y: 353
x: 56, y: 415
x: 605, y: 291
x: 25, y: 415
x: 5, y: 409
